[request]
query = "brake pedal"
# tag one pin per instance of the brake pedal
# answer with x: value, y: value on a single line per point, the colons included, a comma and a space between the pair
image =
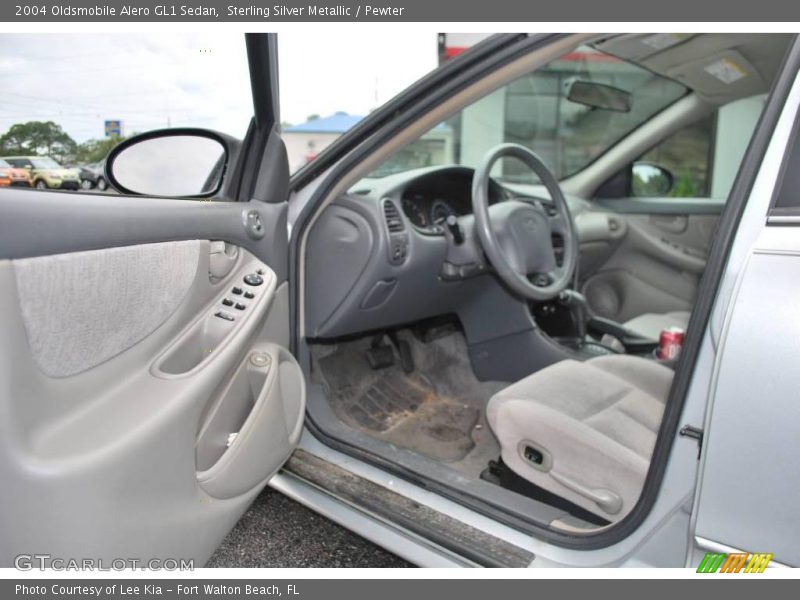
x: 404, y: 350
x: 380, y: 355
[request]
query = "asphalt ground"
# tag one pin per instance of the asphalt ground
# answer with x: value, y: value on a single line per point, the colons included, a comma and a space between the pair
x: 279, y: 532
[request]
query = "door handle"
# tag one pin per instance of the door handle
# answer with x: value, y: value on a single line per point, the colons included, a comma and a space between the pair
x: 222, y: 259
x: 670, y: 223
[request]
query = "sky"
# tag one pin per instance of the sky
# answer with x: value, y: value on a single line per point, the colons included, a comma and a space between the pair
x: 159, y: 80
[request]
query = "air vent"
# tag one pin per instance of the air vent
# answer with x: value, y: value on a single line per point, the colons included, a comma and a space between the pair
x: 394, y: 222
x: 398, y: 237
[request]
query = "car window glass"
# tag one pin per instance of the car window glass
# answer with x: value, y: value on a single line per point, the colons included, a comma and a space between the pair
x: 787, y: 192
x: 67, y: 100
x: 45, y: 163
x: 539, y: 112
x: 704, y: 157
x: 686, y: 156
x: 324, y: 93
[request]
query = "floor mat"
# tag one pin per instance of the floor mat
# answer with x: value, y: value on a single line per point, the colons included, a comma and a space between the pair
x: 385, y: 403
x: 433, y: 411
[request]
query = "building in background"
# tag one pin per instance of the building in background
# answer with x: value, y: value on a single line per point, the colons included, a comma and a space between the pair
x: 433, y: 148
x: 534, y: 111
x: 305, y: 141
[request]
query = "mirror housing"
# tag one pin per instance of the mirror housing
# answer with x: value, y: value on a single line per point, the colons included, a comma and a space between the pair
x: 170, y: 163
x: 598, y: 95
x: 650, y: 180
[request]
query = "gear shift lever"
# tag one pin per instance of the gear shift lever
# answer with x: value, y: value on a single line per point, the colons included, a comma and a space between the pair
x: 579, y: 308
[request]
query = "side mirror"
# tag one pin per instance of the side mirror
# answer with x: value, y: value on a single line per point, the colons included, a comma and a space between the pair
x: 598, y: 95
x: 649, y: 180
x: 172, y: 163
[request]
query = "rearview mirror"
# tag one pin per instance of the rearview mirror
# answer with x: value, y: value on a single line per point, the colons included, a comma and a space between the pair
x: 598, y: 95
x: 649, y: 180
x: 173, y: 163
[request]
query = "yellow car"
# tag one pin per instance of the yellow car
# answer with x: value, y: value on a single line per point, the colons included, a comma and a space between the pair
x: 11, y: 176
x: 46, y: 173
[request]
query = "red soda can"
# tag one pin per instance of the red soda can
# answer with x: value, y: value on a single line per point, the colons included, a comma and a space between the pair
x: 669, y: 343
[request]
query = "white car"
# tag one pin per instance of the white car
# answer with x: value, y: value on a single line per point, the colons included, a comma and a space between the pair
x: 442, y: 333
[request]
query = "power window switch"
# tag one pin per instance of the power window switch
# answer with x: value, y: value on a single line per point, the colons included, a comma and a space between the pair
x: 249, y: 295
x: 227, y: 302
x: 237, y: 290
x: 224, y: 315
x: 240, y: 306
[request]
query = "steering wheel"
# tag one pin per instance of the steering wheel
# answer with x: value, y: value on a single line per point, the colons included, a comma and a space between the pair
x: 517, y: 236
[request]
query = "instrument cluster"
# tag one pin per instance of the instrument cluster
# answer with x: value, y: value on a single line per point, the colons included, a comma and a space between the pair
x: 428, y: 201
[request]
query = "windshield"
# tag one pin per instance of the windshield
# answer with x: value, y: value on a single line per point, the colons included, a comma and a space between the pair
x: 45, y: 163
x: 537, y: 112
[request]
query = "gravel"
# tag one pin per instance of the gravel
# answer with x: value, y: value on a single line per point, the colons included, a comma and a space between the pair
x: 278, y: 532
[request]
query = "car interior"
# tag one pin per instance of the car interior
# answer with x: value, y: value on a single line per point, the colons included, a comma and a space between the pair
x: 482, y: 308
x: 469, y: 299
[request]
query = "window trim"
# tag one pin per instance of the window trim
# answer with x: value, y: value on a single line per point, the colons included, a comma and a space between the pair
x: 786, y: 214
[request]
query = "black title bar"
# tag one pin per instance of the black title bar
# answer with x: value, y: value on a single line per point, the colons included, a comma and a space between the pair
x: 714, y: 11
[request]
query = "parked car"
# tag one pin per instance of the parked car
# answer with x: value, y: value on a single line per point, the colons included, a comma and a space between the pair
x: 462, y: 362
x: 45, y: 172
x: 92, y: 176
x: 12, y: 177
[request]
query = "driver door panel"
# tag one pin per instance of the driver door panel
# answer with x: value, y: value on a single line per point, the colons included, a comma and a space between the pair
x: 147, y: 392
x: 122, y: 388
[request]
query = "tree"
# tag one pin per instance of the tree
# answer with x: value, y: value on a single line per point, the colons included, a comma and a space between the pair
x: 684, y: 186
x: 92, y: 151
x: 43, y: 138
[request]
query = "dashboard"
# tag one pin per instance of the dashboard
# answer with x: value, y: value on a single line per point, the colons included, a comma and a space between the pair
x: 427, y: 201
x: 375, y: 257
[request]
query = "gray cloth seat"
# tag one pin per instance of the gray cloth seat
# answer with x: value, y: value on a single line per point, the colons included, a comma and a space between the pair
x: 584, y: 430
x: 650, y: 325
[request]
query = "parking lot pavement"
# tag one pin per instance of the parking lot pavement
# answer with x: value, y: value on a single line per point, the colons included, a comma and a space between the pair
x: 279, y: 532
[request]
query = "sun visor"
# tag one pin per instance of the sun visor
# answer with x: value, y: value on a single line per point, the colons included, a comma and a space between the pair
x: 720, y: 77
x: 638, y: 46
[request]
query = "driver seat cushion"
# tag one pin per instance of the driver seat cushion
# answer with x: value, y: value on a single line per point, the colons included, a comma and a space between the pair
x: 595, y: 422
x: 650, y: 325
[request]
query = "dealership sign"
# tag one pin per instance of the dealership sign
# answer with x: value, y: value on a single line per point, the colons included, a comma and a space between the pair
x: 113, y: 128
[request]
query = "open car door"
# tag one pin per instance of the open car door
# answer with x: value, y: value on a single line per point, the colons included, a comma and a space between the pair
x: 148, y: 392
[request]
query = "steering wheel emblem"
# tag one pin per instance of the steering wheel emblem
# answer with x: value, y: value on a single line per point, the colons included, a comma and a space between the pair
x: 530, y: 225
